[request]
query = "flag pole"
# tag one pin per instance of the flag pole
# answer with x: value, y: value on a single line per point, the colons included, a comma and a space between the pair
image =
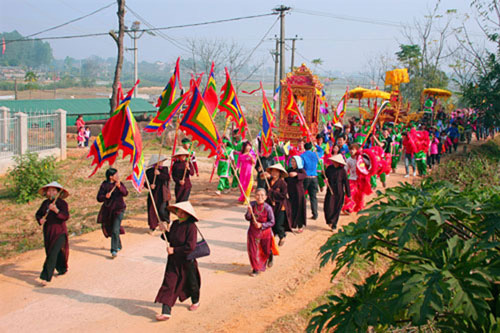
x: 159, y: 154
x: 188, y: 160
x: 174, y: 146
x: 258, y: 159
x: 156, y: 210
x: 217, y: 158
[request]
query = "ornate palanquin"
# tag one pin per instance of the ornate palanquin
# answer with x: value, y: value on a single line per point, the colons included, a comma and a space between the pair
x: 306, y: 88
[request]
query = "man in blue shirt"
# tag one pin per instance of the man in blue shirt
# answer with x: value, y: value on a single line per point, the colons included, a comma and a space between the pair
x: 311, y: 182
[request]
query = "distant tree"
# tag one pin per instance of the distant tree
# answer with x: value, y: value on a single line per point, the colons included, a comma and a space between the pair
x: 90, y: 70
x: 317, y: 62
x: 30, y: 53
x: 30, y: 77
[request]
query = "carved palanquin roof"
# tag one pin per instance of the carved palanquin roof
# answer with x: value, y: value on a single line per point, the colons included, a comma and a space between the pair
x: 302, y: 76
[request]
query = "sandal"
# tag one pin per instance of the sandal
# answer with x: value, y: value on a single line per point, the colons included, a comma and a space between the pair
x: 162, y: 317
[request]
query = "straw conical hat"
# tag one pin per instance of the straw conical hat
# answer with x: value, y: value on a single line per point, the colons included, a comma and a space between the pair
x: 338, y: 124
x: 63, y: 195
x: 181, y: 151
x: 338, y: 158
x: 185, y: 206
x: 278, y: 167
x: 155, y: 159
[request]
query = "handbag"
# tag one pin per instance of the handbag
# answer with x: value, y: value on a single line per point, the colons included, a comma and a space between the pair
x: 201, y: 249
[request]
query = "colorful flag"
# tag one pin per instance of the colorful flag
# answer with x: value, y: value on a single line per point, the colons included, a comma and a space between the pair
x: 3, y: 45
x: 293, y: 109
x: 168, y: 94
x: 198, y: 123
x: 229, y: 103
x: 267, y: 123
x: 120, y: 133
x: 210, y: 94
x: 163, y: 118
x: 338, y: 115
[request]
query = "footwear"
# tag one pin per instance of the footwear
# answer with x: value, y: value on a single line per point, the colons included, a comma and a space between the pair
x: 113, y: 254
x: 270, y: 260
x: 163, y: 317
x: 407, y: 176
x: 300, y: 230
x: 281, y: 242
x: 314, y: 217
x: 194, y: 307
x: 254, y: 273
x: 217, y: 192
x: 42, y: 282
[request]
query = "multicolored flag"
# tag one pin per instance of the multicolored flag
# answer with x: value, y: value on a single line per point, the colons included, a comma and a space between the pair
x: 198, y: 123
x: 267, y: 123
x: 292, y: 108
x: 168, y: 94
x: 210, y: 94
x: 162, y: 119
x: 120, y: 133
x: 338, y: 115
x: 229, y: 103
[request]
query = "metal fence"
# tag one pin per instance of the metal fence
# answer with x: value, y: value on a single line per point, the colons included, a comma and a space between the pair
x: 9, y: 136
x: 42, y: 132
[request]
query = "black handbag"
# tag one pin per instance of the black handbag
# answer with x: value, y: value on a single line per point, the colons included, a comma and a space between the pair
x: 201, y: 249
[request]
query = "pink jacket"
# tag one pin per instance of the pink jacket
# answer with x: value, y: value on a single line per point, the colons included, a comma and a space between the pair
x: 434, y: 146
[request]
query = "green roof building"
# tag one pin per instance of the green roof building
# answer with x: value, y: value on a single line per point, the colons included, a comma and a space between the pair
x: 90, y: 108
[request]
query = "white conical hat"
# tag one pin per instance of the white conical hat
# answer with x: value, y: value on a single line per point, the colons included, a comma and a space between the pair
x: 338, y: 124
x: 338, y: 158
x: 181, y: 151
x: 185, y: 206
x: 63, y: 195
x: 155, y: 159
x: 278, y: 167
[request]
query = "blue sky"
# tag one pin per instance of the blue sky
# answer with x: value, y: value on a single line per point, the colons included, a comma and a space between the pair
x: 343, y: 45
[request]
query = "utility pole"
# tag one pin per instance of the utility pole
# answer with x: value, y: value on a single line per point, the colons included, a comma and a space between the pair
x: 293, y: 50
x: 119, y: 60
x: 276, y: 58
x: 135, y: 27
x: 282, y: 10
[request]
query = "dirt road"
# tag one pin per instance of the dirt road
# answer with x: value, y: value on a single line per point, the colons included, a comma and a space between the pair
x: 100, y: 294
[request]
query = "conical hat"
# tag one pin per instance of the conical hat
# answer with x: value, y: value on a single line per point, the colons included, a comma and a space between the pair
x: 338, y: 158
x: 278, y: 167
x: 338, y: 124
x: 181, y: 151
x: 155, y: 159
x: 63, y: 195
x: 185, y: 206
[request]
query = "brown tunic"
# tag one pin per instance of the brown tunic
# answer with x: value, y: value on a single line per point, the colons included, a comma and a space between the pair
x: 161, y: 194
x: 54, y: 226
x: 111, y: 207
x: 182, y: 237
x: 297, y: 197
x: 182, y: 191
x: 277, y: 197
x: 337, y: 178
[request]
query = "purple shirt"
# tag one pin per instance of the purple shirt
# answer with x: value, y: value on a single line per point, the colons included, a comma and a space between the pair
x: 266, y: 217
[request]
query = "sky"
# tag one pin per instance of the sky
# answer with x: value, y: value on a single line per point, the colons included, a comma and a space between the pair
x: 343, y: 44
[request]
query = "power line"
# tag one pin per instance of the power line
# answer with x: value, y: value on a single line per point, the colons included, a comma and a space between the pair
x: 146, y: 30
x: 348, y: 18
x: 159, y: 33
x: 71, y: 21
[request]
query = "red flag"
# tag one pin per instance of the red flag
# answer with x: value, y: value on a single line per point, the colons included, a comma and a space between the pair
x: 210, y: 94
x: 3, y: 45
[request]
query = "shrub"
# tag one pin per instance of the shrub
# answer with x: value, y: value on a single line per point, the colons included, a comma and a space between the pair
x: 29, y: 174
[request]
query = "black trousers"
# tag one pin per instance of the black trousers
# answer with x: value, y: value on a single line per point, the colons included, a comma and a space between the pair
x: 279, y: 225
x: 55, y: 260
x: 311, y: 186
x: 193, y: 285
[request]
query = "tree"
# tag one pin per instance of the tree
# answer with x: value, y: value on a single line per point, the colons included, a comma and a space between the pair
x: 30, y: 53
x: 119, y: 60
x: 317, y: 62
x: 90, y: 69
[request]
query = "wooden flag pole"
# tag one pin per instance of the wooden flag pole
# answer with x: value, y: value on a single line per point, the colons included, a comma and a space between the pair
x: 156, y: 210
x: 159, y: 154
x: 188, y: 160
x: 259, y: 160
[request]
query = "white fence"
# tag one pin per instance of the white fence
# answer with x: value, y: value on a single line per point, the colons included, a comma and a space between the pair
x: 20, y: 133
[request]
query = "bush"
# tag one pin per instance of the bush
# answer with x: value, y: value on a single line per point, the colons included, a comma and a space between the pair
x: 442, y: 244
x: 30, y: 174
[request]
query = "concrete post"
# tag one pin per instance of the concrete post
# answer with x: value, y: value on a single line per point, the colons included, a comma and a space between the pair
x: 61, y: 132
x: 22, y: 133
x: 4, y: 128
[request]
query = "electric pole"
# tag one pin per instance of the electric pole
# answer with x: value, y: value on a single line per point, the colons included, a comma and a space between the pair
x: 282, y: 10
x: 293, y: 50
x: 119, y: 60
x: 135, y: 27
x: 276, y: 59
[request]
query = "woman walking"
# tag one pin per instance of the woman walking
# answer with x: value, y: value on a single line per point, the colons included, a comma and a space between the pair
x: 337, y: 178
x: 246, y: 161
x: 260, y: 236
x: 182, y: 277
x: 296, y: 194
x: 52, y: 215
x: 182, y: 170
x: 277, y: 197
x: 158, y: 178
x: 113, y: 207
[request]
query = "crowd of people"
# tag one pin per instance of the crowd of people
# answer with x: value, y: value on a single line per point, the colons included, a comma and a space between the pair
x: 345, y: 160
